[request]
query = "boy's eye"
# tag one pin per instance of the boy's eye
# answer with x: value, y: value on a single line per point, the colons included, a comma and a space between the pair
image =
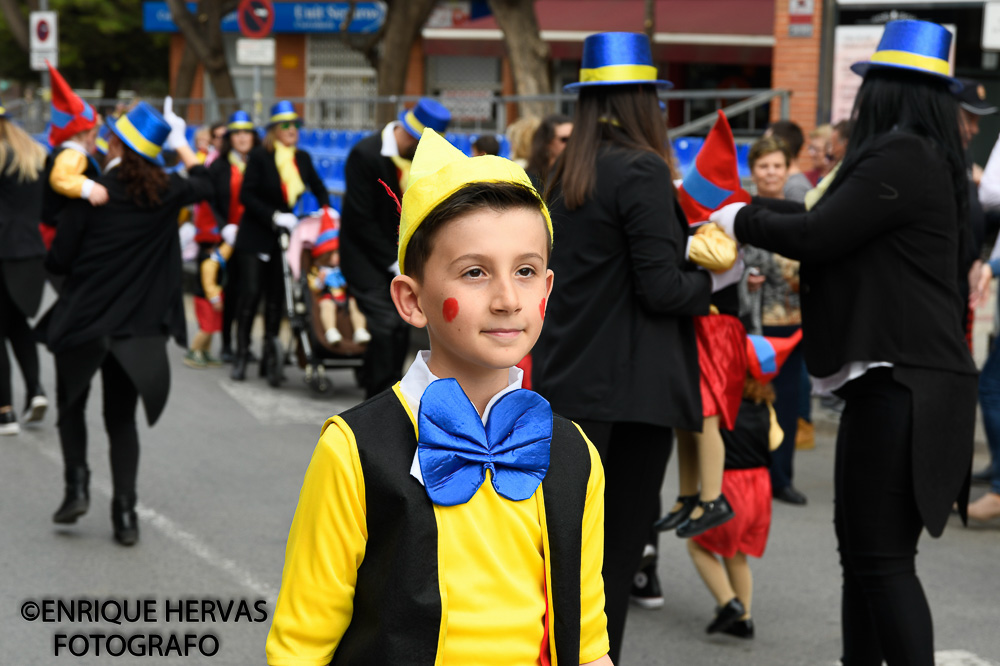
x: 474, y: 272
x: 526, y: 271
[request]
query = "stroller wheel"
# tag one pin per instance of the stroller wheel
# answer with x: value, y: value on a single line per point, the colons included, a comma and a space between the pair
x: 317, y: 380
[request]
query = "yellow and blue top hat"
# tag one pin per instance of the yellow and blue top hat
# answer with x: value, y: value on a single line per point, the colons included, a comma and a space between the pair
x: 919, y: 46
x: 427, y: 113
x: 239, y: 121
x: 439, y: 170
x: 101, y: 143
x: 143, y: 130
x: 616, y: 59
x: 283, y: 112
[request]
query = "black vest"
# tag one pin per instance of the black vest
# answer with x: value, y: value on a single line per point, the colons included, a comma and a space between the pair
x: 397, y: 603
x: 52, y: 201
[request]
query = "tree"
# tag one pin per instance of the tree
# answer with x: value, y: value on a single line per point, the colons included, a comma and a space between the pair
x: 203, y: 38
x: 528, y: 53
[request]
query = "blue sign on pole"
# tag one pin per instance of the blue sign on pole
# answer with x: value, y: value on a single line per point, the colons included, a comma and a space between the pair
x: 289, y: 17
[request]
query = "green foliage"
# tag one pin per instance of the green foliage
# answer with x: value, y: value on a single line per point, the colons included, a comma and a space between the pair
x: 100, y: 42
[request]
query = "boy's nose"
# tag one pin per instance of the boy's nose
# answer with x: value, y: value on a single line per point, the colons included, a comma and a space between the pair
x: 505, y: 297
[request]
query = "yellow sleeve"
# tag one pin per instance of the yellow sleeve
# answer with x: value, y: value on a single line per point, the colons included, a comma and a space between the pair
x: 776, y: 435
x: 67, y: 176
x: 316, y: 283
x: 326, y: 545
x: 210, y: 278
x: 711, y: 248
x: 226, y: 250
x: 593, y: 623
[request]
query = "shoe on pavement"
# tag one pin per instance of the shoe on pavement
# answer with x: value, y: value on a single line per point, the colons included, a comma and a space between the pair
x: 35, y: 407
x: 212, y: 361
x: 790, y: 495
x: 646, y: 591
x: 726, y: 616
x: 8, y: 423
x: 195, y: 359
x: 740, y: 628
x: 805, y: 436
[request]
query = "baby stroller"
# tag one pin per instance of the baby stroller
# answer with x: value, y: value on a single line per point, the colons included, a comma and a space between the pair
x: 312, y: 351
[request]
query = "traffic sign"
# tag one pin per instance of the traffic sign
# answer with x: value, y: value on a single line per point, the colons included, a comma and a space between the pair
x: 255, y: 18
x: 255, y: 52
x: 44, y: 39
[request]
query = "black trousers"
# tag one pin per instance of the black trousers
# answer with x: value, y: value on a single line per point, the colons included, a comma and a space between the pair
x: 635, y: 458
x: 260, y: 278
x: 787, y: 387
x: 231, y: 303
x: 885, y: 614
x: 120, y: 399
x: 386, y: 352
x: 14, y: 327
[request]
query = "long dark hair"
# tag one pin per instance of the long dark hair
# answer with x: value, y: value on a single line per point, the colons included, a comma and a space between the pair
x: 893, y: 99
x: 144, y: 181
x: 540, y: 158
x: 227, y: 143
x: 627, y: 115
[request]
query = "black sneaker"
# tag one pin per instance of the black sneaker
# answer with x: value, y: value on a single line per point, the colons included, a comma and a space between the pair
x: 8, y: 423
x: 646, y: 591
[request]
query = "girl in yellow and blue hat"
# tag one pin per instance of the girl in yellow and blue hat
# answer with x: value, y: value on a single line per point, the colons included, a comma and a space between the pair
x: 881, y: 256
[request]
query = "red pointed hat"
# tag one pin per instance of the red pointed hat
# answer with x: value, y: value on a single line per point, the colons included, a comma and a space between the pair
x: 329, y: 236
x: 765, y: 356
x: 714, y: 180
x: 70, y: 114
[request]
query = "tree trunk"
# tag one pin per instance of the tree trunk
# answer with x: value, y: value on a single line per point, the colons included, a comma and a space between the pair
x: 16, y: 22
x: 184, y: 84
x: 529, y: 55
x: 203, y: 36
x: 403, y: 23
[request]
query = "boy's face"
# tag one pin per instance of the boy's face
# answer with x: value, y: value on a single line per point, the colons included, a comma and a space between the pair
x: 484, y: 289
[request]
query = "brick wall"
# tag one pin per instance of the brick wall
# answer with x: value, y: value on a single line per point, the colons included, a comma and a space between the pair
x: 796, y: 65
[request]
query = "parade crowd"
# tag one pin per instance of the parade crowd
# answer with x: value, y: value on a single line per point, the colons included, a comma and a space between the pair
x: 497, y: 501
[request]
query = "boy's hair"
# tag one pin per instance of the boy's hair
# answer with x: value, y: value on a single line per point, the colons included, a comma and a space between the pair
x: 497, y: 196
x: 487, y: 144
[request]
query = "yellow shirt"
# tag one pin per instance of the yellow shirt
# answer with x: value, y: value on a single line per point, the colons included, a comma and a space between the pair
x: 67, y: 177
x: 490, y: 557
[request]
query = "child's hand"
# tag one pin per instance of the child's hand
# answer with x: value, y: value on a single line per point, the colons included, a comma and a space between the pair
x: 98, y: 195
x: 217, y: 303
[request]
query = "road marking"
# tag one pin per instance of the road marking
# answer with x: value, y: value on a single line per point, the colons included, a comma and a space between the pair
x: 186, y: 540
x: 276, y: 407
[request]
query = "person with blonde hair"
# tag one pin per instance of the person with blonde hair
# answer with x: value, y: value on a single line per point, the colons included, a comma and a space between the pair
x: 22, y: 276
x: 520, y: 133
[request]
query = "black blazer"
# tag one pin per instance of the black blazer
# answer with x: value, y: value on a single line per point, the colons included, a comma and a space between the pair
x: 262, y: 197
x: 220, y: 171
x: 369, y: 221
x: 21, y: 246
x: 881, y: 266
x: 618, y: 342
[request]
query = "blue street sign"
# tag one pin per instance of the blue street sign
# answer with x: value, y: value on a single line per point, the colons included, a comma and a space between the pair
x: 289, y: 17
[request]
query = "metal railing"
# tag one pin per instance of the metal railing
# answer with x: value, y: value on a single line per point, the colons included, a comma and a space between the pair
x: 748, y: 110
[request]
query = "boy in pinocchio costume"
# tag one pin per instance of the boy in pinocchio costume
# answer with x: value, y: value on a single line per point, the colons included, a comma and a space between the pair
x: 70, y: 170
x: 453, y: 519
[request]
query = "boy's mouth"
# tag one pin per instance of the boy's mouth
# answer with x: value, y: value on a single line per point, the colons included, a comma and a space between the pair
x: 503, y: 332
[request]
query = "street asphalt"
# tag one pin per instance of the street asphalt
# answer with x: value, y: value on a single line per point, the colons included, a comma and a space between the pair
x: 218, y: 483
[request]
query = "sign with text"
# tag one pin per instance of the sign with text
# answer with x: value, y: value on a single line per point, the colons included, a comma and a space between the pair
x: 991, y: 26
x: 44, y: 40
x: 256, y: 52
x: 289, y: 17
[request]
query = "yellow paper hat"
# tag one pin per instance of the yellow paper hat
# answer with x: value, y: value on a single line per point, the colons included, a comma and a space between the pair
x: 439, y: 170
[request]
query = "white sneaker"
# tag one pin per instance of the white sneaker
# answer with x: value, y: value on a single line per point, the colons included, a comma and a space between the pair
x: 333, y: 336
x: 8, y: 423
x: 36, y: 409
x: 362, y: 336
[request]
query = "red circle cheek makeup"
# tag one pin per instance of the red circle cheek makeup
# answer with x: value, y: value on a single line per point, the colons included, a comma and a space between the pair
x: 450, y: 309
x: 541, y: 308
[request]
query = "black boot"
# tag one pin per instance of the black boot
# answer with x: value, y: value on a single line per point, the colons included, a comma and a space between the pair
x: 77, y: 499
x: 239, y: 372
x: 124, y: 519
x: 275, y: 364
x: 265, y: 357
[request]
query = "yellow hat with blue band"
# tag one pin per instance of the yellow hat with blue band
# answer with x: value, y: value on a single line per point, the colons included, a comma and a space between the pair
x: 617, y: 59
x: 239, y: 121
x: 917, y: 46
x: 143, y: 130
x: 439, y: 170
x: 283, y: 112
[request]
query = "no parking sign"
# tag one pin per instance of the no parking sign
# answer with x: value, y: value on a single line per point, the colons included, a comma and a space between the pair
x: 255, y: 18
x: 44, y: 29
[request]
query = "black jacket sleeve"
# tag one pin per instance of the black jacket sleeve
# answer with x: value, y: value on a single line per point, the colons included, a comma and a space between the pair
x: 871, y: 201
x: 219, y: 173
x: 254, y: 186
x: 196, y: 187
x: 66, y: 244
x: 657, y: 242
x: 311, y: 178
x: 365, y: 201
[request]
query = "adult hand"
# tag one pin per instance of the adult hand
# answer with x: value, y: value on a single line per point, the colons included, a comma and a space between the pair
x: 178, y: 127
x: 286, y: 220
x: 755, y: 282
x: 725, y: 217
x: 187, y: 232
x: 728, y: 277
x: 980, y: 289
x: 98, y: 195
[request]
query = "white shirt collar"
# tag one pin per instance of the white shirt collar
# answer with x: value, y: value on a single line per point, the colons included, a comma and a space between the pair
x: 389, y: 146
x: 112, y: 164
x: 419, y: 377
x: 78, y: 147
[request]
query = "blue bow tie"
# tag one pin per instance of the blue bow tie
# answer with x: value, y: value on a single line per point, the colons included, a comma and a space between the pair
x: 455, y: 449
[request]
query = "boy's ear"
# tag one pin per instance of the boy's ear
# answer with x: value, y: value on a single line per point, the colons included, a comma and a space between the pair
x: 405, y: 292
x: 549, y: 279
